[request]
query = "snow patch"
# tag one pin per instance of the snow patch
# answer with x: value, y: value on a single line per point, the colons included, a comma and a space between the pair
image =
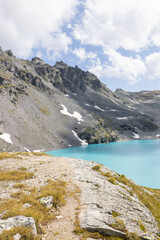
x: 27, y: 149
x: 74, y: 94
x: 75, y: 114
x: 38, y: 151
x: 69, y: 145
x: 135, y: 135
x: 83, y: 142
x: 113, y: 110
x: 66, y: 95
x: 122, y: 118
x: 158, y: 135
x: 87, y: 104
x: 6, y: 137
x: 99, y: 108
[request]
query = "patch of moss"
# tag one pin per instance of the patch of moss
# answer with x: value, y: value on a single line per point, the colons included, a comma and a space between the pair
x: 96, y: 168
x: 119, y: 225
x: 132, y: 236
x: 5, y: 155
x: 55, y: 189
x: 44, y: 110
x: 5, y: 86
x: 19, y: 185
x: 14, y: 175
x: 142, y: 227
x: 41, y: 214
x: 151, y: 201
x: 25, y: 232
x: 115, y: 214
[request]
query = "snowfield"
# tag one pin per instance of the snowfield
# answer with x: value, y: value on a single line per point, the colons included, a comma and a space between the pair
x: 6, y: 137
x: 135, y: 135
x: 76, y: 115
x: 83, y: 142
x: 122, y: 118
x: 99, y: 108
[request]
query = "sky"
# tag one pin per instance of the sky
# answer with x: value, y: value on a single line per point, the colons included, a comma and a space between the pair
x: 117, y: 40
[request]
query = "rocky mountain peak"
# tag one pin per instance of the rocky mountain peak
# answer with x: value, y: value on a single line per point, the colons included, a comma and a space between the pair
x: 37, y: 60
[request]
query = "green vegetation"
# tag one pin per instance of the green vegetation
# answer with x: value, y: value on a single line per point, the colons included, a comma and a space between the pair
x: 132, y: 236
x: 25, y: 232
x: 109, y: 176
x: 151, y: 201
x: 119, y: 225
x: 17, y: 155
x: 96, y: 168
x: 84, y: 234
x: 40, y: 213
x: 14, y: 175
x: 115, y: 214
x: 55, y: 189
x: 44, y: 110
x: 101, y: 133
x: 19, y: 185
x: 142, y: 227
x: 5, y: 86
x: 5, y: 155
x: 22, y: 169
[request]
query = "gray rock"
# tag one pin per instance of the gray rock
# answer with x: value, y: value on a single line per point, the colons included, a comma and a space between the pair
x: 18, y: 221
x: 17, y: 236
x: 47, y: 201
x: 100, y: 198
x: 27, y: 205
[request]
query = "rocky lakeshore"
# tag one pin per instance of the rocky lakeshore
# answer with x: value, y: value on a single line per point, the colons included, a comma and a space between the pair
x: 46, y: 197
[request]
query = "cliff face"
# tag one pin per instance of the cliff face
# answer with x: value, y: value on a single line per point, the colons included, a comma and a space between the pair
x: 48, y: 107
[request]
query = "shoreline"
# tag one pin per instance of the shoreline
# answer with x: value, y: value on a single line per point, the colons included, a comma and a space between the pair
x: 120, y: 140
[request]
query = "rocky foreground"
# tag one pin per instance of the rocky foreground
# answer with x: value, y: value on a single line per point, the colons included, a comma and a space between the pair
x: 46, y: 198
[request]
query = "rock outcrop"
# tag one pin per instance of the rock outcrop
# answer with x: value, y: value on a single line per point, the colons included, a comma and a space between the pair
x: 18, y: 221
x: 109, y: 206
x: 46, y: 201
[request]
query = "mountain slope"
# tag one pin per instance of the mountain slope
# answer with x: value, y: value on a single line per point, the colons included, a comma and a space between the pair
x: 48, y: 107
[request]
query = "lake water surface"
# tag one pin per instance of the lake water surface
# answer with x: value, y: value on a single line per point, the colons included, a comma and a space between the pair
x: 138, y: 160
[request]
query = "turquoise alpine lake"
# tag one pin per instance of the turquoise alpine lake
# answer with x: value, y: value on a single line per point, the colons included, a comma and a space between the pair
x: 138, y: 160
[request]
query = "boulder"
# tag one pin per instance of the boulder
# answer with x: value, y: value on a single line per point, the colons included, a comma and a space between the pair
x: 17, y: 236
x: 47, y: 201
x: 18, y: 221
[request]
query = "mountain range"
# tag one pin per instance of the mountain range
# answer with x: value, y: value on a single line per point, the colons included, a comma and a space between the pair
x: 44, y: 107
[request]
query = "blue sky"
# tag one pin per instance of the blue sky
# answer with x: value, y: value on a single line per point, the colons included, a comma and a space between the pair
x: 117, y: 40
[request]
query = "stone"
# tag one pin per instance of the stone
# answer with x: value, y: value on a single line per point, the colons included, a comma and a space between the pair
x: 27, y: 205
x: 18, y: 221
x: 47, y: 201
x: 9, y: 52
x: 17, y: 236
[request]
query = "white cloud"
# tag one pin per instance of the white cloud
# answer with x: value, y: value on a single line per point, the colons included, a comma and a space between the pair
x: 28, y: 24
x: 153, y: 65
x: 83, y: 55
x: 130, y: 24
x: 97, y: 68
x: 120, y: 67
